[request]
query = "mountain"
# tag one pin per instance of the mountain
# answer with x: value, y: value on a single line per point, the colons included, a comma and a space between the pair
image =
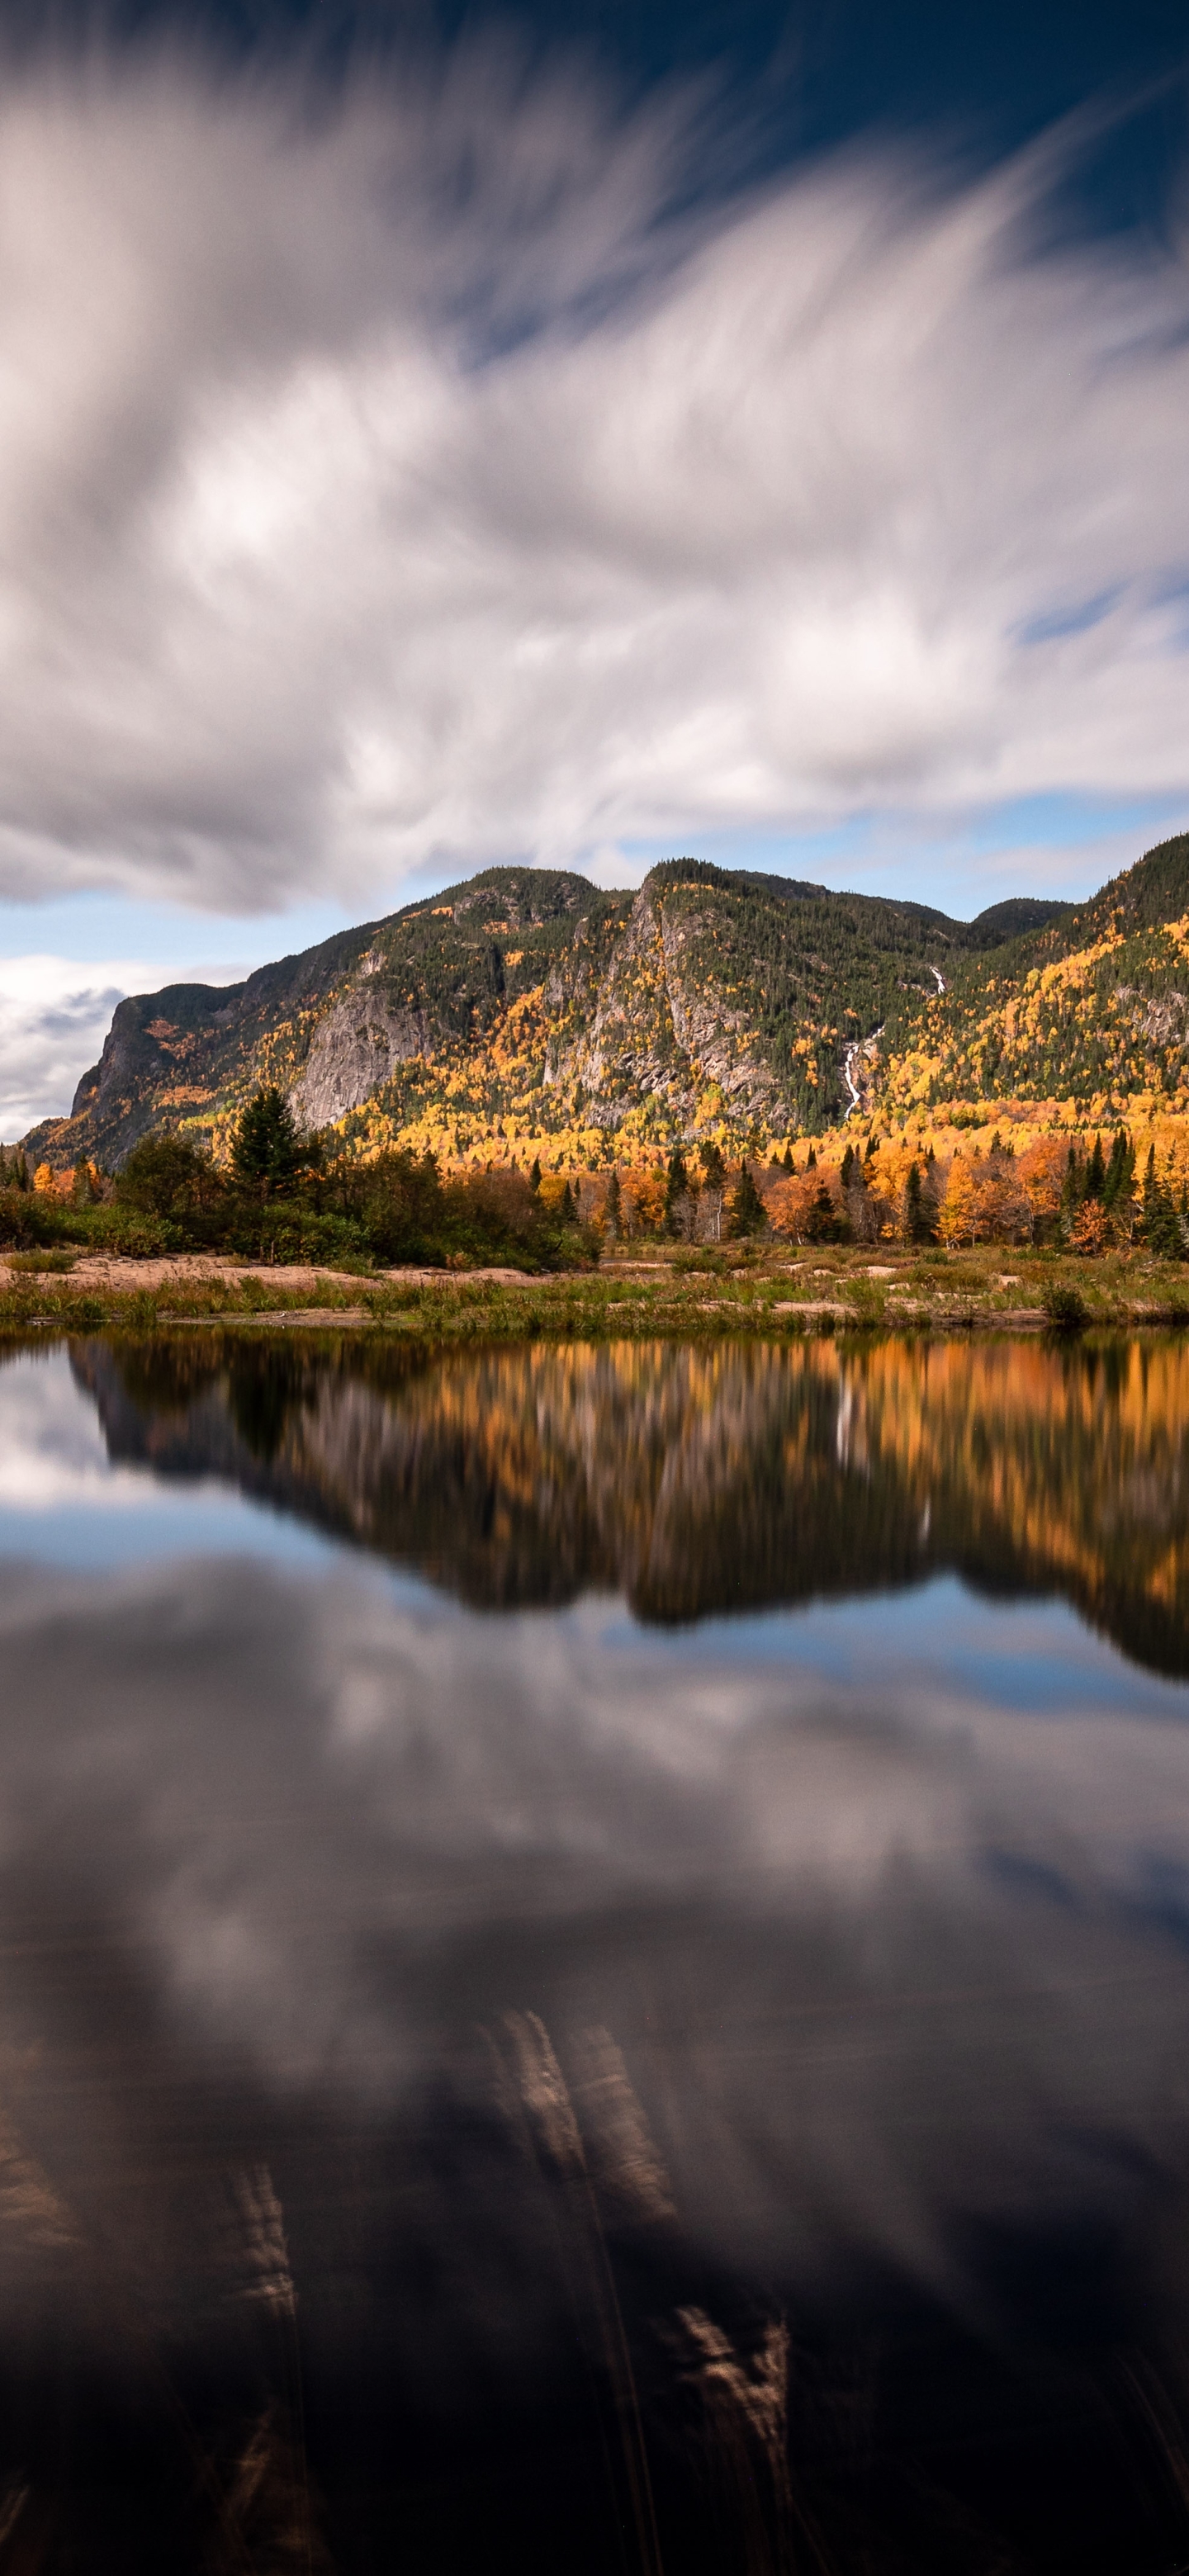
x: 527, y: 1006
x: 1092, y: 1007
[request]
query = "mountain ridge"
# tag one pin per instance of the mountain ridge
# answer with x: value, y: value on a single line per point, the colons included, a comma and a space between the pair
x: 526, y: 1010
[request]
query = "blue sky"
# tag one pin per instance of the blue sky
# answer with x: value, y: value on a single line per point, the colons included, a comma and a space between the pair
x: 433, y: 437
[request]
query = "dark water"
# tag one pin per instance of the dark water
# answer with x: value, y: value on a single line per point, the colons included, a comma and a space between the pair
x: 594, y: 1959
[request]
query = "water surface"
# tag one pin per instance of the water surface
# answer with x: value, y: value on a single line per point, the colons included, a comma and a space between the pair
x: 595, y: 1962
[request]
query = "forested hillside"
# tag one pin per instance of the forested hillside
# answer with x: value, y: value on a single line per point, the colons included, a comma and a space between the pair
x: 528, y: 1011
x: 1093, y: 1008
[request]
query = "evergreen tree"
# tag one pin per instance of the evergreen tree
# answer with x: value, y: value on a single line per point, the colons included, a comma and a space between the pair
x: 714, y: 1169
x: 811, y: 1161
x: 748, y: 1214
x: 787, y: 1164
x: 567, y: 1212
x: 266, y: 1150
x: 872, y: 1149
x: 1162, y: 1228
x: 676, y: 1189
x: 612, y: 1206
x: 849, y: 1160
x: 920, y: 1214
x: 534, y: 1178
x: 1095, y: 1172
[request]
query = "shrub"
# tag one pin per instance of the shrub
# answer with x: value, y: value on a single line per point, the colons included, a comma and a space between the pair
x: 1065, y: 1308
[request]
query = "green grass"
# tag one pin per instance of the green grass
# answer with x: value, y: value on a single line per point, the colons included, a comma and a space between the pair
x: 741, y: 1291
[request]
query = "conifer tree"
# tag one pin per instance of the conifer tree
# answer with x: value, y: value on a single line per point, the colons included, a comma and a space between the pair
x: 787, y: 1164
x: 612, y: 1205
x: 676, y: 1189
x: 748, y: 1214
x: 534, y: 1178
x: 266, y: 1150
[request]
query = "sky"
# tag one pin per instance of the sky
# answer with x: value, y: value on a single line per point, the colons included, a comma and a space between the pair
x: 438, y: 436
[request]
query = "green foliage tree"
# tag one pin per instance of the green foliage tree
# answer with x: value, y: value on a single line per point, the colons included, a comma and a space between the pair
x: 747, y: 1213
x: 267, y: 1153
x: 920, y: 1212
x: 676, y: 1190
x: 168, y: 1176
x: 1164, y: 1233
x: 613, y: 1206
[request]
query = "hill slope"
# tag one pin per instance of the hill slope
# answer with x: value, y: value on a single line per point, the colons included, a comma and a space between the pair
x: 527, y: 1004
x: 1093, y: 1007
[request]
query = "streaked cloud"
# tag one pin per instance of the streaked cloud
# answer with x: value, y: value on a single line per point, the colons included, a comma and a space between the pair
x: 411, y: 487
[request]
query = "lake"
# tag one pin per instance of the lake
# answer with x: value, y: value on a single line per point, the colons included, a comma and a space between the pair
x: 595, y: 1957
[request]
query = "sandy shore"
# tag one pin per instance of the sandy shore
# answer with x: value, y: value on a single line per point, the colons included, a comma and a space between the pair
x: 193, y: 1269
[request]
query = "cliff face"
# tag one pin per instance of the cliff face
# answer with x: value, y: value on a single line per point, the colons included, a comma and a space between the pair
x: 527, y: 1004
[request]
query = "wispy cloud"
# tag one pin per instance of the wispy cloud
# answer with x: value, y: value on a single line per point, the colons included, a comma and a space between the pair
x: 412, y: 486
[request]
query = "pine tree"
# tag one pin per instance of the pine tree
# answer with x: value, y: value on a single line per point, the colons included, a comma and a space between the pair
x: 787, y: 1164
x: 811, y: 1161
x: 714, y: 1169
x: 676, y: 1188
x: 567, y: 1211
x: 612, y: 1206
x: 920, y: 1216
x: 534, y: 1178
x: 266, y: 1150
x: 848, y: 1165
x: 1095, y: 1172
x: 748, y: 1214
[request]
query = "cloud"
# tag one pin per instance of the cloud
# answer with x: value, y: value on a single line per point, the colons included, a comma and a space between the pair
x: 409, y: 485
x: 54, y: 1017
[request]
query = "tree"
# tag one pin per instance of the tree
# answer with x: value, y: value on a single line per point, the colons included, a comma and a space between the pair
x: 266, y: 1150
x: 920, y: 1215
x: 534, y: 1178
x: 787, y: 1163
x: 166, y: 1175
x: 676, y: 1190
x: 748, y: 1215
x: 956, y: 1222
x: 714, y: 1170
x: 613, y: 1206
x: 1163, y: 1233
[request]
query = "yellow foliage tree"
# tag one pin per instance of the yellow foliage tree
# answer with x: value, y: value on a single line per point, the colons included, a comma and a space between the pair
x: 956, y: 1223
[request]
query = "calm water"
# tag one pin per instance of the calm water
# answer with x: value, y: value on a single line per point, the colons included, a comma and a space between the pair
x: 595, y: 1959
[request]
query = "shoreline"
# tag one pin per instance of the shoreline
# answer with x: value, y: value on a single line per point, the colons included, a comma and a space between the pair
x: 669, y: 1293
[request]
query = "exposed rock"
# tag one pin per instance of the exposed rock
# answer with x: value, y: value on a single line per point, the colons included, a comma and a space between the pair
x: 355, y: 1048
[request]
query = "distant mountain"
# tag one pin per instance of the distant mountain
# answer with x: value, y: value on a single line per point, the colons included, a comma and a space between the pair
x: 526, y: 1005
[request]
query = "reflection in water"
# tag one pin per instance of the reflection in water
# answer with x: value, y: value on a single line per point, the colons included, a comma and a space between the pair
x: 552, y: 2089
x: 702, y: 1479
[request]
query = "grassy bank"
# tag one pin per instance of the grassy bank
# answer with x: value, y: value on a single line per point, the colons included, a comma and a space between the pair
x: 666, y: 1292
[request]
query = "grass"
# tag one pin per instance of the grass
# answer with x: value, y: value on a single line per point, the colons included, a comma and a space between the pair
x: 656, y: 1291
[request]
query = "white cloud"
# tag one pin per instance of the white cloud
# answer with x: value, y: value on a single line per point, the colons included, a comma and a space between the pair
x: 402, y: 488
x: 54, y: 1017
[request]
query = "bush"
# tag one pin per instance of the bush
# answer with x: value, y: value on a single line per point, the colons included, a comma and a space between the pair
x: 1065, y: 1308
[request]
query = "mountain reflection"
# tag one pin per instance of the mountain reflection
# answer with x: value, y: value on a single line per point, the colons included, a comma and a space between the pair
x: 697, y: 1480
